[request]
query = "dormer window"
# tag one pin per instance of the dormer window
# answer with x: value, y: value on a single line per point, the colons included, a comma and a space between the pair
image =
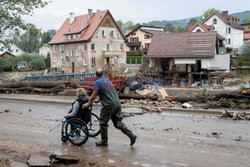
x: 72, y: 37
x: 215, y: 21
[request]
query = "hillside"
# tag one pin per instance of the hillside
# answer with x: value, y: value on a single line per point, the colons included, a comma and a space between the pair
x: 241, y: 15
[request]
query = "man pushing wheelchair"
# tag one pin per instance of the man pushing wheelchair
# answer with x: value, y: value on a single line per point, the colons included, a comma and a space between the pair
x: 111, y: 108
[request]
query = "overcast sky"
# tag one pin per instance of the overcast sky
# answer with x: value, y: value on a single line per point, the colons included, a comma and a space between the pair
x: 53, y: 15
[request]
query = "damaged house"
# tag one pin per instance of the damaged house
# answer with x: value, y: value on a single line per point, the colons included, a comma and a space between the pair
x: 187, y: 57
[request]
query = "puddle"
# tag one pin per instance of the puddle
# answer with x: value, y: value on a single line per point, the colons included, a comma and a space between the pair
x: 111, y: 161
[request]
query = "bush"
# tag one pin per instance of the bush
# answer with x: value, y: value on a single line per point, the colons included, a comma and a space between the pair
x: 34, y: 62
x: 24, y: 69
x: 38, y: 62
x: 5, y: 64
x: 134, y: 59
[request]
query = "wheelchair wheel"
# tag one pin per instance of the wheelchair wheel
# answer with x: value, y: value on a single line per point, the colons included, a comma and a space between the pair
x: 94, y: 126
x: 77, y: 131
x: 64, y: 139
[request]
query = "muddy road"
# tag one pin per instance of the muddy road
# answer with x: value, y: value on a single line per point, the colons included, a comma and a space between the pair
x: 163, y: 139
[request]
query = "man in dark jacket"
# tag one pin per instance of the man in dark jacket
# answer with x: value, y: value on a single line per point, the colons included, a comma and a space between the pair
x: 111, y: 108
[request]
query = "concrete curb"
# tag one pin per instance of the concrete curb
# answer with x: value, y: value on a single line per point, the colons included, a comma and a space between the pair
x: 164, y: 109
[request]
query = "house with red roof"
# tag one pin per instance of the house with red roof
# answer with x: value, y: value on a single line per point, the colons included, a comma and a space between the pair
x: 87, y: 42
x: 246, y: 31
x: 228, y: 27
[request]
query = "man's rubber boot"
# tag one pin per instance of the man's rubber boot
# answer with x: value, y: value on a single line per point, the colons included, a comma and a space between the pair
x: 131, y: 136
x: 104, y: 136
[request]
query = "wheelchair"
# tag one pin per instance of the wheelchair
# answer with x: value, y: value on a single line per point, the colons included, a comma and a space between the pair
x: 77, y: 131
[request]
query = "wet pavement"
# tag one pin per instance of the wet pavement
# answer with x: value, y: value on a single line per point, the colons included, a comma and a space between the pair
x: 163, y: 139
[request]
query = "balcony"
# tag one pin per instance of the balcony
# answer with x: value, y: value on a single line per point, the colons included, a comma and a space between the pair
x: 112, y: 54
x: 133, y: 53
x: 130, y: 44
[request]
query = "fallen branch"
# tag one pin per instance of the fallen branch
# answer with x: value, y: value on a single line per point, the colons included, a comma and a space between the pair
x: 137, y: 97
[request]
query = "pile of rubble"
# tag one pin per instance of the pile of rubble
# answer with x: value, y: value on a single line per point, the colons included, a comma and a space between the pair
x: 236, y: 115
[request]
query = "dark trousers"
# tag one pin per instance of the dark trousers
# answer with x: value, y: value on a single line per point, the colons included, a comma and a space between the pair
x: 112, y: 112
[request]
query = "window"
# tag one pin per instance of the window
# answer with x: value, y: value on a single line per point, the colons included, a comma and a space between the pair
x: 229, y: 41
x: 147, y: 36
x: 67, y: 54
x: 76, y: 36
x: 16, y: 50
x: 134, y: 48
x: 61, y: 48
x: 198, y: 30
x: 77, y: 53
x: 229, y: 30
x: 134, y: 34
x: 93, y: 62
x: 85, y: 62
x: 108, y: 47
x: 215, y: 21
x: 112, y: 33
x: 72, y: 37
x: 66, y: 37
x: 103, y: 33
x: 118, y: 35
x: 121, y: 46
x: 54, y: 49
x: 92, y: 46
x: 72, y: 53
x: 63, y: 61
x: 134, y: 39
x: 96, y: 34
x: 85, y: 47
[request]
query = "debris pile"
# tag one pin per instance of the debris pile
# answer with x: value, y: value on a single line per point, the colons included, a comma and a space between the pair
x: 37, y: 87
x: 236, y: 115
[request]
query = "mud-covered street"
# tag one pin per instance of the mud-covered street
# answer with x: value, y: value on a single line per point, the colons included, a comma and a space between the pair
x: 163, y: 139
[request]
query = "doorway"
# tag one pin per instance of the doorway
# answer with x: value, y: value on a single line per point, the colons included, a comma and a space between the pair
x: 73, y: 68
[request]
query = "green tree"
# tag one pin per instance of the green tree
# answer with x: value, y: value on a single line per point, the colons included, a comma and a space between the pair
x: 169, y: 27
x: 208, y: 13
x: 192, y: 21
x: 47, y: 36
x: 244, y: 57
x: 11, y: 13
x: 48, y: 61
x: 29, y: 41
x: 180, y: 29
x: 120, y: 24
x: 129, y: 25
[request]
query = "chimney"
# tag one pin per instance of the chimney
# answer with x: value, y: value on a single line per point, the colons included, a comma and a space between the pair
x: 89, y: 13
x: 225, y: 13
x: 71, y: 17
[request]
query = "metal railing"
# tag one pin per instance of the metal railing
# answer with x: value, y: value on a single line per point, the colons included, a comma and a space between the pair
x: 62, y: 77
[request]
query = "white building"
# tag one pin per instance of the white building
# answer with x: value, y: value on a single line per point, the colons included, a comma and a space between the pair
x: 45, y: 50
x: 228, y: 27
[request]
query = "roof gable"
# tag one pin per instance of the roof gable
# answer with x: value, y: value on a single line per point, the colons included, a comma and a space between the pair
x: 183, y: 45
x: 227, y: 19
x: 141, y: 26
x: 82, y: 25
